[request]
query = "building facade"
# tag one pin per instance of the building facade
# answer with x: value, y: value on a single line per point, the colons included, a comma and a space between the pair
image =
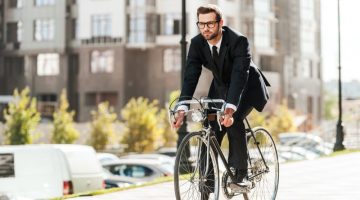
x: 113, y: 50
x: 299, y: 54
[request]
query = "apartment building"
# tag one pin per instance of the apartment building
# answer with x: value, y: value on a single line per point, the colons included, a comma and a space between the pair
x: 299, y: 54
x: 113, y: 50
x: 35, y: 49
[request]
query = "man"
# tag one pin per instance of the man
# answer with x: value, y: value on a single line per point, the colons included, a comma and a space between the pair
x: 236, y: 80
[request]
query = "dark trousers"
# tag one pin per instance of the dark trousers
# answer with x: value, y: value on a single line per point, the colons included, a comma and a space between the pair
x: 237, y: 143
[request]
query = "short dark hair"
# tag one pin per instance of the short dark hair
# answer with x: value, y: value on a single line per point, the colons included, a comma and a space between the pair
x: 209, y: 8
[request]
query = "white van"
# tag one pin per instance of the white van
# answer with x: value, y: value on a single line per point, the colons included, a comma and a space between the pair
x: 48, y: 171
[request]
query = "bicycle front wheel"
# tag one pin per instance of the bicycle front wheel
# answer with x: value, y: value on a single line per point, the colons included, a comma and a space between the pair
x: 265, y: 175
x: 196, y: 174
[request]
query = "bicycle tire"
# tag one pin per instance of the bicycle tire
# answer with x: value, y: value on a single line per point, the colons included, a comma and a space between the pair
x: 188, y: 183
x: 266, y: 184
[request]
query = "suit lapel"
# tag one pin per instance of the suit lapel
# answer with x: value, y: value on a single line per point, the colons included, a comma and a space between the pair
x: 223, y: 51
x: 209, y: 59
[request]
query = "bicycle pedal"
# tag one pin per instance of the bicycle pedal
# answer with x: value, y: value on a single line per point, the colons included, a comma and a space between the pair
x: 239, y: 188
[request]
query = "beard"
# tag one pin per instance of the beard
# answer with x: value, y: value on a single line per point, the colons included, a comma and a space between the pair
x: 211, y: 36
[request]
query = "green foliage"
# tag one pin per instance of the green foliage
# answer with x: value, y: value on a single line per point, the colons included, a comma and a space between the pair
x: 64, y: 131
x: 102, y: 126
x: 168, y: 135
x: 257, y: 119
x: 330, y: 106
x: 142, y: 133
x: 173, y: 96
x: 21, y: 117
x: 281, y: 121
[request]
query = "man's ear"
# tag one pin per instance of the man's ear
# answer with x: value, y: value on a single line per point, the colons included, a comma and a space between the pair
x: 221, y: 22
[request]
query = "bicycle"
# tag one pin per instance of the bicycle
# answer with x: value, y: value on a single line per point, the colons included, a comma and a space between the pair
x: 198, y: 150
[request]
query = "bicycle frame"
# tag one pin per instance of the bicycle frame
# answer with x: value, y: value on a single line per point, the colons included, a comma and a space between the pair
x: 211, y: 138
x: 208, y: 150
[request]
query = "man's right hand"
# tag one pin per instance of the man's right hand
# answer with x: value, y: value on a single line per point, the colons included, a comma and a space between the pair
x: 179, y: 119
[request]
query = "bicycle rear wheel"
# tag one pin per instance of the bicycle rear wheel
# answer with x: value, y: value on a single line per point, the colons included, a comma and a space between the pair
x: 191, y: 179
x: 265, y: 177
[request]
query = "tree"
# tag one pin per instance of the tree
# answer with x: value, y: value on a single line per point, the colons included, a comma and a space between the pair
x: 168, y: 134
x: 281, y: 121
x: 330, y: 106
x: 102, y: 129
x: 64, y: 131
x: 21, y: 118
x: 142, y: 133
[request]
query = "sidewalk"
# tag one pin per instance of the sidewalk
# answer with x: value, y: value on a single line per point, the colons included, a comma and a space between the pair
x: 333, y: 178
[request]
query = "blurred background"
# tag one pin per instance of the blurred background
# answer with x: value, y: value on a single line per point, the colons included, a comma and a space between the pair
x: 94, y: 66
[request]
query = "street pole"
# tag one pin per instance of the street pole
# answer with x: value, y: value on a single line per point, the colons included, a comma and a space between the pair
x: 339, y: 127
x: 183, y: 40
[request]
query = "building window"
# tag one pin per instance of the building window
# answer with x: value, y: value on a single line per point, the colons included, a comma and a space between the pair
x: 75, y: 29
x: 48, y: 64
x: 307, y: 68
x: 101, y: 25
x: 307, y: 9
x: 44, y: 2
x: 170, y: 24
x: 102, y: 61
x: 15, y: 3
x: 94, y: 98
x: 262, y: 5
x: 307, y: 39
x: 172, y: 60
x: 44, y: 29
x: 137, y: 28
x: 14, y: 32
x: 262, y: 33
x: 140, y: 3
x: 14, y: 66
x: 46, y: 104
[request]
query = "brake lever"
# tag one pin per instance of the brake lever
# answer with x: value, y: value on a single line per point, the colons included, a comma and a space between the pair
x: 218, y: 117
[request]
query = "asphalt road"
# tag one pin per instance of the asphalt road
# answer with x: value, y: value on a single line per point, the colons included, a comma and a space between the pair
x: 330, y: 178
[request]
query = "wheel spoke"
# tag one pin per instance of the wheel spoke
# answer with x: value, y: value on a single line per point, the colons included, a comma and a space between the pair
x: 189, y: 177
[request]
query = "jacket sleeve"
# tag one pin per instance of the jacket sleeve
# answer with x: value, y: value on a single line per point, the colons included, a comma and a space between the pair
x: 192, y: 72
x: 240, y: 71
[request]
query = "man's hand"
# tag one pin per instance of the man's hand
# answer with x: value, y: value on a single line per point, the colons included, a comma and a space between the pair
x: 227, y: 120
x: 179, y: 118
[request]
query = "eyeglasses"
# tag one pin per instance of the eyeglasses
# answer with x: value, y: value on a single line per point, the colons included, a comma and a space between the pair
x: 210, y: 24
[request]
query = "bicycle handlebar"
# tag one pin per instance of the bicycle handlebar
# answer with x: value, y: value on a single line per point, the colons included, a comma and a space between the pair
x: 203, y: 102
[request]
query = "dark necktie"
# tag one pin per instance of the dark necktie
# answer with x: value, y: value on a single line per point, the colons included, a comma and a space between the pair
x: 216, y: 57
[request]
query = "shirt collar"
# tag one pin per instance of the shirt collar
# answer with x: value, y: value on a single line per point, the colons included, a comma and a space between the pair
x: 218, y: 44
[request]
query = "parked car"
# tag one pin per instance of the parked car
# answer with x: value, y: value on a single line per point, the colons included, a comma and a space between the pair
x: 169, y: 151
x: 308, y: 141
x: 144, y: 169
x: 113, y: 181
x: 106, y: 157
x: 302, y: 152
x: 153, y: 156
x: 55, y: 170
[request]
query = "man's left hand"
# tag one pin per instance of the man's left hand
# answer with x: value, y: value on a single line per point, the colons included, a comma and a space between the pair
x: 228, y: 119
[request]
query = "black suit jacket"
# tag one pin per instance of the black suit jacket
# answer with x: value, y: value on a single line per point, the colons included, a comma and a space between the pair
x: 237, y: 77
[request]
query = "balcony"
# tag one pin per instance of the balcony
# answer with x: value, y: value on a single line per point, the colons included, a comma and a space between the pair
x: 101, y: 40
x: 13, y: 46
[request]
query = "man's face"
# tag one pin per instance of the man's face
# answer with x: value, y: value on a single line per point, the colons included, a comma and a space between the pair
x: 208, y: 25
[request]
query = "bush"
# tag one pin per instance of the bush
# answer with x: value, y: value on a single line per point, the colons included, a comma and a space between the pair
x: 142, y: 133
x: 102, y: 126
x: 21, y: 117
x: 64, y: 131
